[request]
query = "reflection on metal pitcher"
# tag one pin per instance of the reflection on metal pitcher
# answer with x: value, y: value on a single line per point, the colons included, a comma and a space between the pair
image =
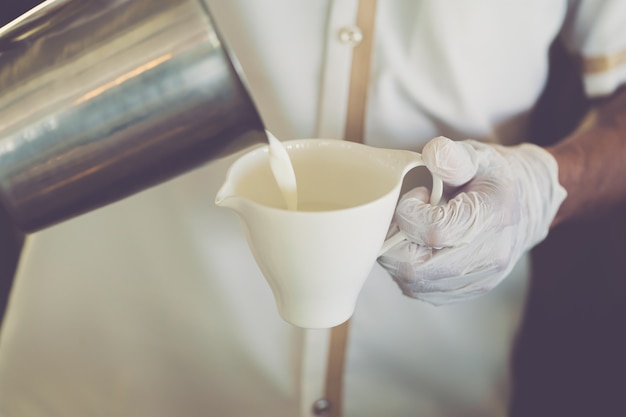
x: 102, y: 99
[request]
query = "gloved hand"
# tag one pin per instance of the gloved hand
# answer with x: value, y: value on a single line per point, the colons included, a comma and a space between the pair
x: 501, y: 203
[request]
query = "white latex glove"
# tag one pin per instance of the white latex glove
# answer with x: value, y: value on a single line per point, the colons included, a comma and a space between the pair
x: 502, y: 203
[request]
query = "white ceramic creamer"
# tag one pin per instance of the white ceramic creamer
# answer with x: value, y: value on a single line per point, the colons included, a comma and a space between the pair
x: 317, y: 258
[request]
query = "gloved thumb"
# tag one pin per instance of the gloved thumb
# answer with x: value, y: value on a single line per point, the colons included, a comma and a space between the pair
x: 455, y: 163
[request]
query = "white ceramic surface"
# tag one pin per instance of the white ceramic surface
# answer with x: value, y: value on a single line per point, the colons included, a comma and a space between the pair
x: 316, y: 259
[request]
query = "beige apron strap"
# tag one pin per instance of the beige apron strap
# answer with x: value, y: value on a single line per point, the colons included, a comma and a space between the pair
x: 355, y: 126
x: 360, y: 72
x: 333, y: 390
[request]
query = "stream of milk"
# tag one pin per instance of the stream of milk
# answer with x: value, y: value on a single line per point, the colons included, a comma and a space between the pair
x: 283, y: 171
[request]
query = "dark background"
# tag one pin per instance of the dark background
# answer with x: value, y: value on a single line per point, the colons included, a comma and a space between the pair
x: 570, y: 357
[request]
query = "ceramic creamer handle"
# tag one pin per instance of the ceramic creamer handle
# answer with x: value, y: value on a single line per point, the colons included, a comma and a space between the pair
x: 435, y: 198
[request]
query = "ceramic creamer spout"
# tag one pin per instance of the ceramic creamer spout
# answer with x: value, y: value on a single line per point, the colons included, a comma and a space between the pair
x: 226, y: 197
x: 229, y: 195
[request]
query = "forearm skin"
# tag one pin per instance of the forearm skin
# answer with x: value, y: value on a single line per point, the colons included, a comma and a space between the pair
x: 592, y: 161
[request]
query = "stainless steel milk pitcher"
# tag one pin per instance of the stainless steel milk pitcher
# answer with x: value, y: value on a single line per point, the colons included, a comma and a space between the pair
x: 100, y: 99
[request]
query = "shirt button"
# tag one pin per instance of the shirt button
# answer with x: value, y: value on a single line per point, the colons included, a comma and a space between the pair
x: 350, y: 35
x: 321, y: 407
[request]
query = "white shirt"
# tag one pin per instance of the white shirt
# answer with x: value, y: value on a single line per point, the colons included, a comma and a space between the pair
x: 153, y: 306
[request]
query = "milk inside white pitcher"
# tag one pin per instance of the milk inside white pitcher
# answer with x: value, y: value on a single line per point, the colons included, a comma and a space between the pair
x: 283, y: 171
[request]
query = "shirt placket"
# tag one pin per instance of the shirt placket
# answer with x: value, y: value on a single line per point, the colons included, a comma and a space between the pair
x: 343, y: 97
x: 342, y: 36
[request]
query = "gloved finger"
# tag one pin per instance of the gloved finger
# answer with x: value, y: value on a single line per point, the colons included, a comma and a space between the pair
x: 481, y: 204
x: 456, y: 223
x: 455, y: 163
x: 435, y: 276
x: 410, y: 262
x: 440, y: 290
x: 478, y: 284
x: 418, y: 193
x: 455, y: 283
x: 399, y: 259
